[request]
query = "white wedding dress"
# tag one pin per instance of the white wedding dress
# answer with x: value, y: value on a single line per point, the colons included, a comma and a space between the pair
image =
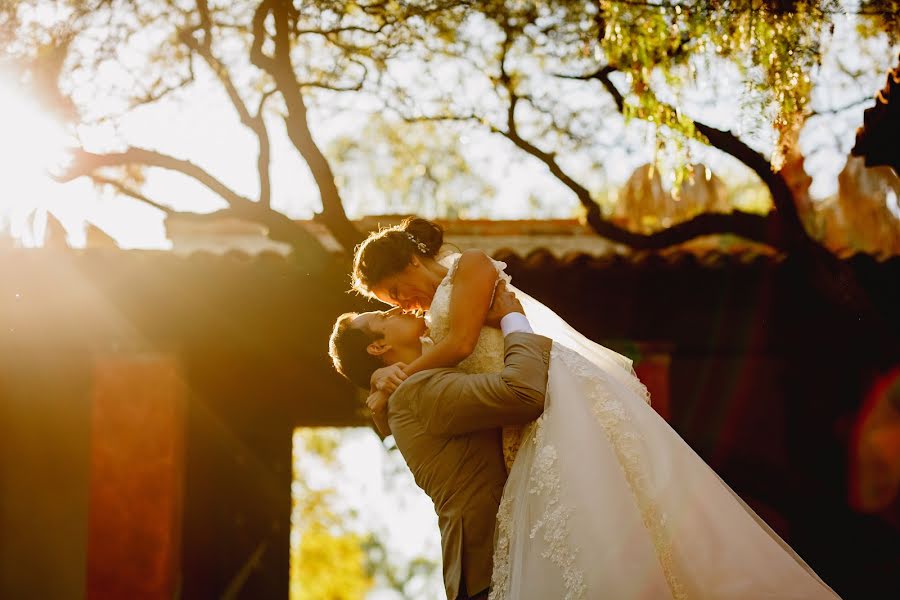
x: 605, y: 500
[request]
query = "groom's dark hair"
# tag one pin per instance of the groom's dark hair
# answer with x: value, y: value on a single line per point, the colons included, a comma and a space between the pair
x: 347, y: 348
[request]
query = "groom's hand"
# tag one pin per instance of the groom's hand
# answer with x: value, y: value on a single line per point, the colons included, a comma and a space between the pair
x: 505, y: 302
x: 378, y: 404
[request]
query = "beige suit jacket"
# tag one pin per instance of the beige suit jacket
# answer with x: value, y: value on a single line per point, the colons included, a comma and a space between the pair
x: 447, y: 426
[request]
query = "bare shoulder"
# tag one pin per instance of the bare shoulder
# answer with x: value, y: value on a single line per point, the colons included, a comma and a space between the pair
x: 475, y: 263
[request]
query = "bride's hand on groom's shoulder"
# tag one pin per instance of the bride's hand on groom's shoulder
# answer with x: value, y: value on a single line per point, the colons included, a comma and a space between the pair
x: 387, y: 379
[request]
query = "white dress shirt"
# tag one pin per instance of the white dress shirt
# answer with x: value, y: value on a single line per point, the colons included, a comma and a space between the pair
x: 515, y: 322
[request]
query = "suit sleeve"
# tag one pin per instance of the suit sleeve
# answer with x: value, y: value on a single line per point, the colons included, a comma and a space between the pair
x: 451, y: 402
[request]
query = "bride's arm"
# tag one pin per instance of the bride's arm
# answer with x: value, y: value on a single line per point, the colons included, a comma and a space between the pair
x: 470, y: 301
x: 474, y: 283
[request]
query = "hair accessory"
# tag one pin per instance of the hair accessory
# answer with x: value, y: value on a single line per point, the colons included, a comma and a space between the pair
x: 420, y: 245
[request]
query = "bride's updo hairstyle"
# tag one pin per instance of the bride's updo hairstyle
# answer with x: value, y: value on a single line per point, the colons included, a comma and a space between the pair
x: 391, y: 249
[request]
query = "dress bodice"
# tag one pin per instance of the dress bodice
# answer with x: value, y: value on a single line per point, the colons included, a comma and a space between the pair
x: 487, y: 357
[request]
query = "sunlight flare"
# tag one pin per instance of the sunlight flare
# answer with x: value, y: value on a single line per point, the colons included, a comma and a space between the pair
x: 32, y: 143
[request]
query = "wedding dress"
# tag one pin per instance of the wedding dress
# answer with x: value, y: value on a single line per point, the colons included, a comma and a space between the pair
x: 605, y: 500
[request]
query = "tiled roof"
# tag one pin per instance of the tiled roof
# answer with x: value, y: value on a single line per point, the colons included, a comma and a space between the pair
x: 536, y: 259
x: 531, y: 241
x: 560, y: 238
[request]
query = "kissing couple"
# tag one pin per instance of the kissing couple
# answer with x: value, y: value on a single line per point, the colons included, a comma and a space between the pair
x: 551, y: 475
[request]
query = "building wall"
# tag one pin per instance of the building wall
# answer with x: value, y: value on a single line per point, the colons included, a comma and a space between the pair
x: 765, y: 381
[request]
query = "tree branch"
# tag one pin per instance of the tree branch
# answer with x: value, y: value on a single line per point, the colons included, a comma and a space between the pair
x: 839, y: 109
x: 85, y: 163
x: 258, y: 29
x: 787, y: 231
x: 748, y: 225
x: 205, y: 23
x: 264, y: 158
x: 327, y: 86
x: 602, y: 75
x: 281, y: 69
x: 126, y: 190
x: 337, y: 30
x: 221, y: 73
x: 255, y: 123
x: 751, y: 226
x: 280, y: 226
x: 158, y: 90
x: 132, y: 193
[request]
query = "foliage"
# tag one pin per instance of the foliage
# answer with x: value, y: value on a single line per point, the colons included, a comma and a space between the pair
x: 327, y: 560
x: 404, y: 578
x: 570, y: 83
x: 329, y: 565
x: 333, y: 555
x: 881, y: 16
x: 410, y: 168
x: 776, y: 45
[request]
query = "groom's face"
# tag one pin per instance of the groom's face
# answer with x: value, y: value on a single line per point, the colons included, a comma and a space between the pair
x: 398, y: 332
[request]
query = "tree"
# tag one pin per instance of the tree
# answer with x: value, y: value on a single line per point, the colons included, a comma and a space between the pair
x: 251, y: 48
x: 540, y: 62
x: 331, y: 557
x: 563, y: 81
x: 410, y: 167
x: 327, y: 561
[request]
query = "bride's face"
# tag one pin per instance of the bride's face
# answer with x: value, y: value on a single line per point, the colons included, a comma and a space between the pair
x: 412, y: 289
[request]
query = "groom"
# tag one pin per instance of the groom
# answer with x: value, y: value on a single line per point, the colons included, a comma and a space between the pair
x: 447, y: 423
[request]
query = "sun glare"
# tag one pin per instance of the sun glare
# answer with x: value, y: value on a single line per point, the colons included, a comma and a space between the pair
x: 32, y: 142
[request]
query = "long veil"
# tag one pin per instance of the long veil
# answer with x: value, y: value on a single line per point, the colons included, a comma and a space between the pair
x: 547, y: 323
x: 674, y: 465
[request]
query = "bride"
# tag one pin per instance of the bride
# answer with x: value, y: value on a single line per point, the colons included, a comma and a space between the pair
x: 603, y: 499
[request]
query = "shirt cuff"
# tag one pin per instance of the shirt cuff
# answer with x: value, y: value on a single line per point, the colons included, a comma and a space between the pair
x: 515, y: 322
